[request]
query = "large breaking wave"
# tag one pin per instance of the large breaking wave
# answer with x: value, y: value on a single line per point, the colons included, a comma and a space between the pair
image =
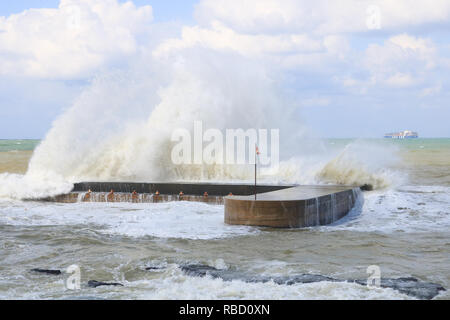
x: 120, y: 129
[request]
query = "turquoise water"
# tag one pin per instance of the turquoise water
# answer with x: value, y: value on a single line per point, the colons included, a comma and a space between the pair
x: 410, y: 144
x: 18, y: 145
x: 430, y: 143
x: 426, y: 161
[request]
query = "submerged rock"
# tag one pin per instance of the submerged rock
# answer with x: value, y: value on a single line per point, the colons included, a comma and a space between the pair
x: 410, y: 286
x: 303, y: 278
x: 229, y: 275
x: 95, y: 284
x: 47, y: 271
x: 199, y: 270
x: 154, y: 268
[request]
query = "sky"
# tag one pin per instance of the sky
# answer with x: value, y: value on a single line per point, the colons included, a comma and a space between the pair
x: 354, y: 68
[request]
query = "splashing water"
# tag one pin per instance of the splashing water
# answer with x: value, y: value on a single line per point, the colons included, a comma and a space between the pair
x: 120, y: 129
x: 361, y: 163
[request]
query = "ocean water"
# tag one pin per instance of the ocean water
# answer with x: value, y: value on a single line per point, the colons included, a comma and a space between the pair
x: 403, y: 226
x: 15, y: 155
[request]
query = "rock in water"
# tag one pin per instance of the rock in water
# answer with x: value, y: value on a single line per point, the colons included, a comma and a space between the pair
x: 199, y: 270
x: 95, y: 284
x: 47, y: 271
x: 409, y: 286
x: 154, y: 268
x: 303, y: 278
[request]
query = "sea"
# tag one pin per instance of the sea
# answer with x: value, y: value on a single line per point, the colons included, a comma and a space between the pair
x: 402, y: 227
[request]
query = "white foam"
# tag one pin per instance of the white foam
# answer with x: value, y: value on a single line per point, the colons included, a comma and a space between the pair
x: 175, y: 285
x: 406, y: 209
x: 17, y: 186
x: 363, y: 162
x: 188, y: 220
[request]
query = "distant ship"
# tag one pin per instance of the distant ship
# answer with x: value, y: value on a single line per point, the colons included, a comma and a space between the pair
x: 402, y: 135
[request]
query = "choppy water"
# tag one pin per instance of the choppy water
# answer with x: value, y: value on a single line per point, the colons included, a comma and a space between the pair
x: 15, y: 154
x: 404, y: 229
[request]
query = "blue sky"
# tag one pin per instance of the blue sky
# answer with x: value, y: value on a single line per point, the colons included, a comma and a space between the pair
x: 349, y: 78
x: 180, y: 10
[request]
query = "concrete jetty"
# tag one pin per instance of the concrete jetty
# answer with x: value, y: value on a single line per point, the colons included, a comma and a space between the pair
x: 296, y: 207
x: 174, y: 188
x: 281, y: 206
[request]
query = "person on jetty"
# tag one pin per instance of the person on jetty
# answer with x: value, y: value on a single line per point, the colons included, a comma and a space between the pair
x: 156, y: 196
x: 87, y: 196
x: 110, y: 196
x: 134, y: 196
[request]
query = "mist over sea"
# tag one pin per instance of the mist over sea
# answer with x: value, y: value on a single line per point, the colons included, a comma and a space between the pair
x: 403, y: 226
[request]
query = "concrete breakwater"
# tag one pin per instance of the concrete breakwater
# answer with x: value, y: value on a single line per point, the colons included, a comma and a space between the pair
x: 75, y: 197
x: 281, y: 206
x: 296, y: 207
x: 212, y: 193
x: 213, y: 189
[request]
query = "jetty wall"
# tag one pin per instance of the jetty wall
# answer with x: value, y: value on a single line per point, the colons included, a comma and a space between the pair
x: 213, y: 189
x: 291, y: 213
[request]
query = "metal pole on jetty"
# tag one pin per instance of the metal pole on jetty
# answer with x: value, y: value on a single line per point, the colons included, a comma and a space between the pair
x: 256, y: 153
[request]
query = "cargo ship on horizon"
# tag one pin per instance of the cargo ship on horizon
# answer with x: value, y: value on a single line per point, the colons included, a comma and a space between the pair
x: 407, y: 134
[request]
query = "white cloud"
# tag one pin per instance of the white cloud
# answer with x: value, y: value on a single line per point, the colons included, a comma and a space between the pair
x: 431, y: 91
x: 400, y: 80
x: 316, y: 38
x: 72, y: 40
x: 320, y: 16
x: 322, y: 48
x: 401, y: 61
x: 220, y: 37
x: 286, y: 50
x: 316, y: 102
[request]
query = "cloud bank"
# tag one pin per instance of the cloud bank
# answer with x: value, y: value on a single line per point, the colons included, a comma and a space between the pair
x: 72, y: 41
x: 333, y: 56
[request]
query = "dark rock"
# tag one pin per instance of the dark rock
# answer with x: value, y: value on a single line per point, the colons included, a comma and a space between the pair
x: 410, y: 286
x: 47, y: 271
x: 229, y: 275
x: 407, y: 285
x: 366, y: 187
x: 303, y: 278
x: 95, y: 284
x: 198, y: 270
x: 154, y: 268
